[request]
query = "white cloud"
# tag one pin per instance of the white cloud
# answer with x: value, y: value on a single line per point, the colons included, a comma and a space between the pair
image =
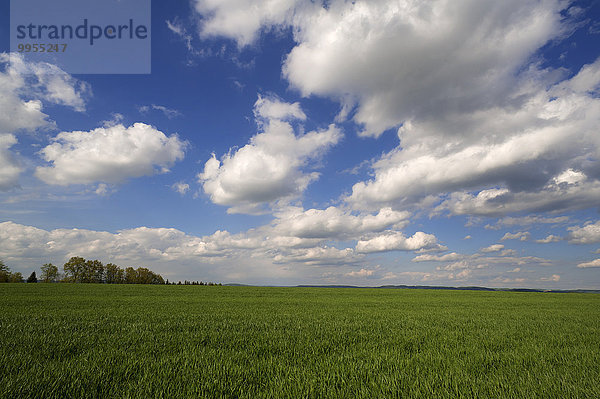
x: 181, y: 187
x: 483, y: 128
x: 163, y: 245
x: 495, y: 202
x: 550, y: 238
x: 493, y: 248
x: 511, y: 281
x: 110, y: 155
x: 554, y: 278
x: 396, y: 241
x: 178, y: 29
x: 588, y: 234
x: 102, y: 189
x: 168, y: 112
x: 361, y: 273
x: 397, y: 60
x: 516, y: 260
x: 272, y: 166
x: 335, y: 222
x: 44, y: 81
x: 271, y: 107
x: 9, y: 168
x: 569, y: 176
x: 257, y: 255
x: 467, y: 237
x: 521, y: 236
x: 594, y: 263
x: 24, y: 86
x: 438, y: 258
x: 505, y: 173
x: 461, y: 265
x: 242, y: 20
x: 407, y: 60
x: 526, y: 221
x: 132, y: 244
x: 318, y: 256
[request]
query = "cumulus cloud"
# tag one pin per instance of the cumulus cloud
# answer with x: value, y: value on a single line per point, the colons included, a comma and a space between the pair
x: 242, y: 20
x: 337, y: 223
x: 9, y: 168
x: 483, y: 129
x: 558, y: 174
x: 396, y: 241
x: 160, y: 245
x: 521, y: 236
x: 587, y: 234
x: 550, y: 238
x: 510, y: 221
x: 102, y: 189
x: 318, y: 256
x: 24, y: 88
x: 466, y: 53
x: 554, y: 278
x: 271, y: 107
x: 255, y: 252
x: 109, y: 154
x: 141, y: 243
x: 594, y: 263
x: 273, y: 166
x: 361, y: 273
x: 493, y: 248
x: 496, y: 202
x: 181, y: 187
x: 438, y: 258
x: 462, y: 53
x: 24, y: 85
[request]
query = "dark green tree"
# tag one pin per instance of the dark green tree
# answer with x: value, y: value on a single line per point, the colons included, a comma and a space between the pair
x: 32, y: 278
x: 4, y: 273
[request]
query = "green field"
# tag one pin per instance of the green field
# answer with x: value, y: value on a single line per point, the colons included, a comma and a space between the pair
x: 135, y: 341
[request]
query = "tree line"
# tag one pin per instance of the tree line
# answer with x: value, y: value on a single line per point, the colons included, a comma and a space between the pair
x: 80, y: 270
x: 6, y: 276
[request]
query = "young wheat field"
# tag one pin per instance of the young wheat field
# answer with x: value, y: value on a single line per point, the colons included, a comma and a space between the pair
x: 138, y: 341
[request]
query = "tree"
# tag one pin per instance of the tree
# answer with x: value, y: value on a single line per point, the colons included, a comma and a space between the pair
x: 113, y: 274
x: 130, y: 276
x: 49, y: 273
x: 74, y: 269
x: 94, y: 272
x: 144, y: 276
x: 4, y: 273
x: 79, y: 270
x: 32, y: 278
x: 15, y: 278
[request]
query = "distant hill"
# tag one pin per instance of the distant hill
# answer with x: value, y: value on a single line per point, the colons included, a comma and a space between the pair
x: 433, y: 287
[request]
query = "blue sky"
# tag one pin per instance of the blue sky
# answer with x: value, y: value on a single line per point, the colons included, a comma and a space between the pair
x: 289, y: 142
